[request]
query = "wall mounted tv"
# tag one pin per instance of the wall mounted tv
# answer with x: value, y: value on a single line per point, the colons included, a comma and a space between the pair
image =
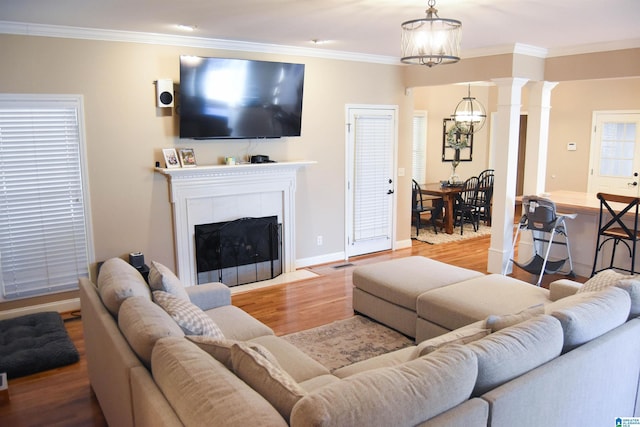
x: 237, y: 98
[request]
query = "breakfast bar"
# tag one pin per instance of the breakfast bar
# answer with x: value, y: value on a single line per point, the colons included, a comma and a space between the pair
x: 582, y: 231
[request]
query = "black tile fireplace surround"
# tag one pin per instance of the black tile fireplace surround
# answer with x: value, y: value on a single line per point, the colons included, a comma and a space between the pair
x: 238, y: 252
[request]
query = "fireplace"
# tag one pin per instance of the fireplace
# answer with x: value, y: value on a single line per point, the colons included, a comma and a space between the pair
x: 246, y: 250
x: 216, y: 194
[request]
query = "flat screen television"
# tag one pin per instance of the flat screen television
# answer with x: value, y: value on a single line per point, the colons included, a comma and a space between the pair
x: 238, y: 98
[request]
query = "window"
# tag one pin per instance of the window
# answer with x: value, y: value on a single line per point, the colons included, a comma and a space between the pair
x: 44, y: 228
x: 420, y: 146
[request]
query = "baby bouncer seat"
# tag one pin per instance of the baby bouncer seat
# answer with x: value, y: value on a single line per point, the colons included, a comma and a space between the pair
x: 539, y: 216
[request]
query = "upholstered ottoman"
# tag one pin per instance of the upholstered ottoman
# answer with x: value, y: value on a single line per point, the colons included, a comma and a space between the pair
x: 387, y: 291
x: 447, y: 308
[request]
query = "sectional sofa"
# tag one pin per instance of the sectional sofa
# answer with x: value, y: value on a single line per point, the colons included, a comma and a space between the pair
x: 155, y: 360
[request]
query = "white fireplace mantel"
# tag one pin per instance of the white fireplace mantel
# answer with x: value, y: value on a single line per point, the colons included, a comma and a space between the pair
x: 207, y: 194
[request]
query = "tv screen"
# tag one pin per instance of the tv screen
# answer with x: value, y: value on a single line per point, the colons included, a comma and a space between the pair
x: 238, y: 98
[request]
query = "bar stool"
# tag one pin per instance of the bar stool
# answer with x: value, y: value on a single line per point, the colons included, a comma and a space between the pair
x: 616, y: 230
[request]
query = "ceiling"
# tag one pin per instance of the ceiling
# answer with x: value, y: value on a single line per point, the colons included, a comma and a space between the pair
x: 363, y: 26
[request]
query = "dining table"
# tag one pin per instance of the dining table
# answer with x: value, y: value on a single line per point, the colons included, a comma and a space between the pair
x: 448, y: 194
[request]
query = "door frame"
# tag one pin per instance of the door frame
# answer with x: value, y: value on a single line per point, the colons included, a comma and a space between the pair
x: 349, y: 172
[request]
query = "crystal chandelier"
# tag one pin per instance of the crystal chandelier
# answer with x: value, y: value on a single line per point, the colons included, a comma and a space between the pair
x: 469, y: 115
x: 432, y: 40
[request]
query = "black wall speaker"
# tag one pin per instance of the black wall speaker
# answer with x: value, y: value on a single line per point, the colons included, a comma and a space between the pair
x: 164, y: 93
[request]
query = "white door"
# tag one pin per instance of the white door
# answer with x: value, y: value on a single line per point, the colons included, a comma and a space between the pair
x: 615, y: 153
x: 371, y: 147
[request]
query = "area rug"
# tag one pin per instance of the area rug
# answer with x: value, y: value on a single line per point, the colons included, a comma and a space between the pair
x: 348, y: 341
x: 428, y: 236
x: 34, y: 343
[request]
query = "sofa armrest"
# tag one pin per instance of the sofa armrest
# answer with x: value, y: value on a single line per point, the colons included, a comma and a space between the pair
x: 563, y: 288
x: 209, y: 296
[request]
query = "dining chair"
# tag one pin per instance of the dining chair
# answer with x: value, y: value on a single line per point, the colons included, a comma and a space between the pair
x: 615, y: 229
x: 466, y: 207
x: 485, y: 194
x: 419, y: 207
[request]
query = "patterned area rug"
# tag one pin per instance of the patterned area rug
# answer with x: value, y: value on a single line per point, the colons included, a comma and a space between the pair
x: 348, y: 341
x: 33, y: 343
x: 428, y: 236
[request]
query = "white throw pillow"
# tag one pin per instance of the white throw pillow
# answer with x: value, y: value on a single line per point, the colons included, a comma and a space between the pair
x: 496, y: 322
x: 188, y: 316
x: 602, y: 280
x: 162, y: 278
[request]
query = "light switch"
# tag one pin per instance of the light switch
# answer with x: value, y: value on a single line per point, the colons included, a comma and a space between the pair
x: 571, y: 146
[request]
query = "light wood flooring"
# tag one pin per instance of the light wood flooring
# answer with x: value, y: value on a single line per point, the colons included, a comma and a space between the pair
x: 62, y: 397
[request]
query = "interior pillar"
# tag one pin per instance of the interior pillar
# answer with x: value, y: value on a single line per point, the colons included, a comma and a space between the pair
x: 535, y: 165
x: 507, y: 130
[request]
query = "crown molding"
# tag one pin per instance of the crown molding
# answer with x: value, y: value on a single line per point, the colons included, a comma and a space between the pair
x: 28, y: 29
x: 42, y: 30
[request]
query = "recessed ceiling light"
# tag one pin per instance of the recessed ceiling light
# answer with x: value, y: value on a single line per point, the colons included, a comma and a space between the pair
x: 184, y: 27
x: 319, y: 41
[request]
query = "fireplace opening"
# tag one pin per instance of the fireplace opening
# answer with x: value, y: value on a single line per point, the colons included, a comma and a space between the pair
x: 238, y: 252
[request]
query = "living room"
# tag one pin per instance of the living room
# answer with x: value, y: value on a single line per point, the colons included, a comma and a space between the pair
x: 126, y: 132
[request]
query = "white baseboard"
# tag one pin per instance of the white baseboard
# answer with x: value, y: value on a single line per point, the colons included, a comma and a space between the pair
x: 323, y: 259
x: 403, y: 244
x: 59, y: 306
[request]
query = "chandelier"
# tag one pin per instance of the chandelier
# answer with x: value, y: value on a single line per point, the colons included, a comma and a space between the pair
x: 469, y: 115
x: 432, y: 40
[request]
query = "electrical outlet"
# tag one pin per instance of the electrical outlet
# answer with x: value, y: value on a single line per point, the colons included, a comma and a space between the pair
x: 319, y: 240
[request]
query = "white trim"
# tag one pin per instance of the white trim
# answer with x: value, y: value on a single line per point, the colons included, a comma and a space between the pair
x: 62, y: 306
x: 322, y: 259
x: 30, y: 29
x: 27, y: 29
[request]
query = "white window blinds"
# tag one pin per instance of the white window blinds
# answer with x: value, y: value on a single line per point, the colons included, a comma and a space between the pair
x: 373, y: 136
x: 43, y: 229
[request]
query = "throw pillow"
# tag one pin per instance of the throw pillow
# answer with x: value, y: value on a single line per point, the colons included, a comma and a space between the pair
x: 602, y: 280
x: 163, y: 279
x: 189, y: 317
x: 221, y: 349
x: 459, y: 336
x: 498, y: 322
x: 274, y: 384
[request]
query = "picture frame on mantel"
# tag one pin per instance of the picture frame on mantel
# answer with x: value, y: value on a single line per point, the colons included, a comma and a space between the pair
x: 448, y: 153
x: 170, y: 158
x: 187, y: 157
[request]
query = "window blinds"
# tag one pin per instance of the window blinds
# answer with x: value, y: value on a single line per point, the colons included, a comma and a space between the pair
x: 373, y: 135
x: 43, y: 237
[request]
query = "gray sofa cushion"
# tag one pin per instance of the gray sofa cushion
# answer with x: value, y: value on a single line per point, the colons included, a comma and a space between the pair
x: 119, y: 280
x: 587, y: 315
x: 237, y: 324
x: 293, y: 360
x: 511, y: 352
x: 402, y: 395
x: 143, y: 323
x: 203, y: 391
x: 607, y: 278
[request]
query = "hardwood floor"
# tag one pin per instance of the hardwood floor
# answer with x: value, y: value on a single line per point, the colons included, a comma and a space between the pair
x: 62, y: 397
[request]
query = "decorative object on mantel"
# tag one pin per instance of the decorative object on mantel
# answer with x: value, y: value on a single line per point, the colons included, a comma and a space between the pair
x: 431, y: 40
x: 187, y: 157
x: 469, y: 115
x: 170, y: 158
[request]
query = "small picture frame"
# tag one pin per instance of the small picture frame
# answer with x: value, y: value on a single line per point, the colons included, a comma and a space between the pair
x: 187, y: 157
x: 170, y: 158
x: 448, y: 153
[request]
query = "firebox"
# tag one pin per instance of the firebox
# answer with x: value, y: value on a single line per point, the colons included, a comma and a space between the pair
x: 238, y: 252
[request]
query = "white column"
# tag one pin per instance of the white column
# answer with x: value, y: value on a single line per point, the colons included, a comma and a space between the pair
x: 507, y: 130
x: 535, y: 165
